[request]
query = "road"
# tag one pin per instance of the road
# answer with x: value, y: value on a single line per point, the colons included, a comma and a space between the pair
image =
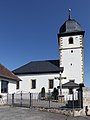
x: 17, y: 113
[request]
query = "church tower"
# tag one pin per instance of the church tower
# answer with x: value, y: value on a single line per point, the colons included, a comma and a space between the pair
x: 71, y: 47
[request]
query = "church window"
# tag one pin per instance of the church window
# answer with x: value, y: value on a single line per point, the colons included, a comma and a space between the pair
x: 17, y: 85
x: 70, y: 40
x: 71, y: 64
x: 71, y: 51
x: 51, y: 84
x: 33, y: 84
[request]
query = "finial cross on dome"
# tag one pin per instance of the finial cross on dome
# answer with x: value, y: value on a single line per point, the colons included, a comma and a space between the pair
x: 69, y: 10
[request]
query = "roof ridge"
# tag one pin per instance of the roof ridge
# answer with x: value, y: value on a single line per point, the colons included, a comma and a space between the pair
x: 44, y: 60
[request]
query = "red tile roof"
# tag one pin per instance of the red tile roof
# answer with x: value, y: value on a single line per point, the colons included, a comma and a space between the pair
x: 5, y: 73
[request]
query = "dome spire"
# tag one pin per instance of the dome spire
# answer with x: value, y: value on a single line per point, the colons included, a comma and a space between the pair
x: 69, y: 10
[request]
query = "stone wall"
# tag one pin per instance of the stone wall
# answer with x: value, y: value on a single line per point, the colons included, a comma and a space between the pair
x: 86, y: 98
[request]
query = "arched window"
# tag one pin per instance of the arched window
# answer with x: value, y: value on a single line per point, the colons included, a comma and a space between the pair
x: 70, y: 40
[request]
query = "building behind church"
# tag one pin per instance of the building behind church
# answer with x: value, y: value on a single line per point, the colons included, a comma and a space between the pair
x: 8, y: 81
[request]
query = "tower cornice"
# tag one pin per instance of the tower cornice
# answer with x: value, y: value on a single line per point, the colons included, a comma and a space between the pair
x: 72, y: 48
x: 71, y: 33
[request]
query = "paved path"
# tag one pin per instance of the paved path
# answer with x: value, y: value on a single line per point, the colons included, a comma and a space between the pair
x: 17, y: 113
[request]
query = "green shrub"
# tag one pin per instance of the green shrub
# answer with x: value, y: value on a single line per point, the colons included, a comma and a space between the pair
x: 55, y: 94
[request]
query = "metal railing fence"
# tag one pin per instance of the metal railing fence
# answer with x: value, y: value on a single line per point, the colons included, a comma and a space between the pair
x: 32, y: 100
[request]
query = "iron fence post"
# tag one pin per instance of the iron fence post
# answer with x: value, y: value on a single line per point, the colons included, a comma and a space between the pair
x: 30, y: 100
x: 73, y: 102
x: 13, y: 99
x: 49, y: 98
x: 21, y: 99
x: 7, y: 98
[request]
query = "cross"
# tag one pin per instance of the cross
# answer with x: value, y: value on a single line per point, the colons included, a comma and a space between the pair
x: 69, y: 10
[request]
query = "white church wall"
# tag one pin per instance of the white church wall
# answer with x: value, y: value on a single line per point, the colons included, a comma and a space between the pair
x: 72, y: 65
x: 42, y: 80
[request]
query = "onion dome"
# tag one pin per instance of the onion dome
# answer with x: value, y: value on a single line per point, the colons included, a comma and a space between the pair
x: 70, y: 26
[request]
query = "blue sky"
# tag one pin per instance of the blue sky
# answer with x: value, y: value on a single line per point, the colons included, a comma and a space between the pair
x: 28, y: 30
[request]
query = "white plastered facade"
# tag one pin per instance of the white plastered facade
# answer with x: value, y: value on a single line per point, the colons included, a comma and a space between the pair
x: 42, y: 80
x: 72, y: 58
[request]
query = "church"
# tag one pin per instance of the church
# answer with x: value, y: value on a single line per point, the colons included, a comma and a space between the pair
x: 66, y: 73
